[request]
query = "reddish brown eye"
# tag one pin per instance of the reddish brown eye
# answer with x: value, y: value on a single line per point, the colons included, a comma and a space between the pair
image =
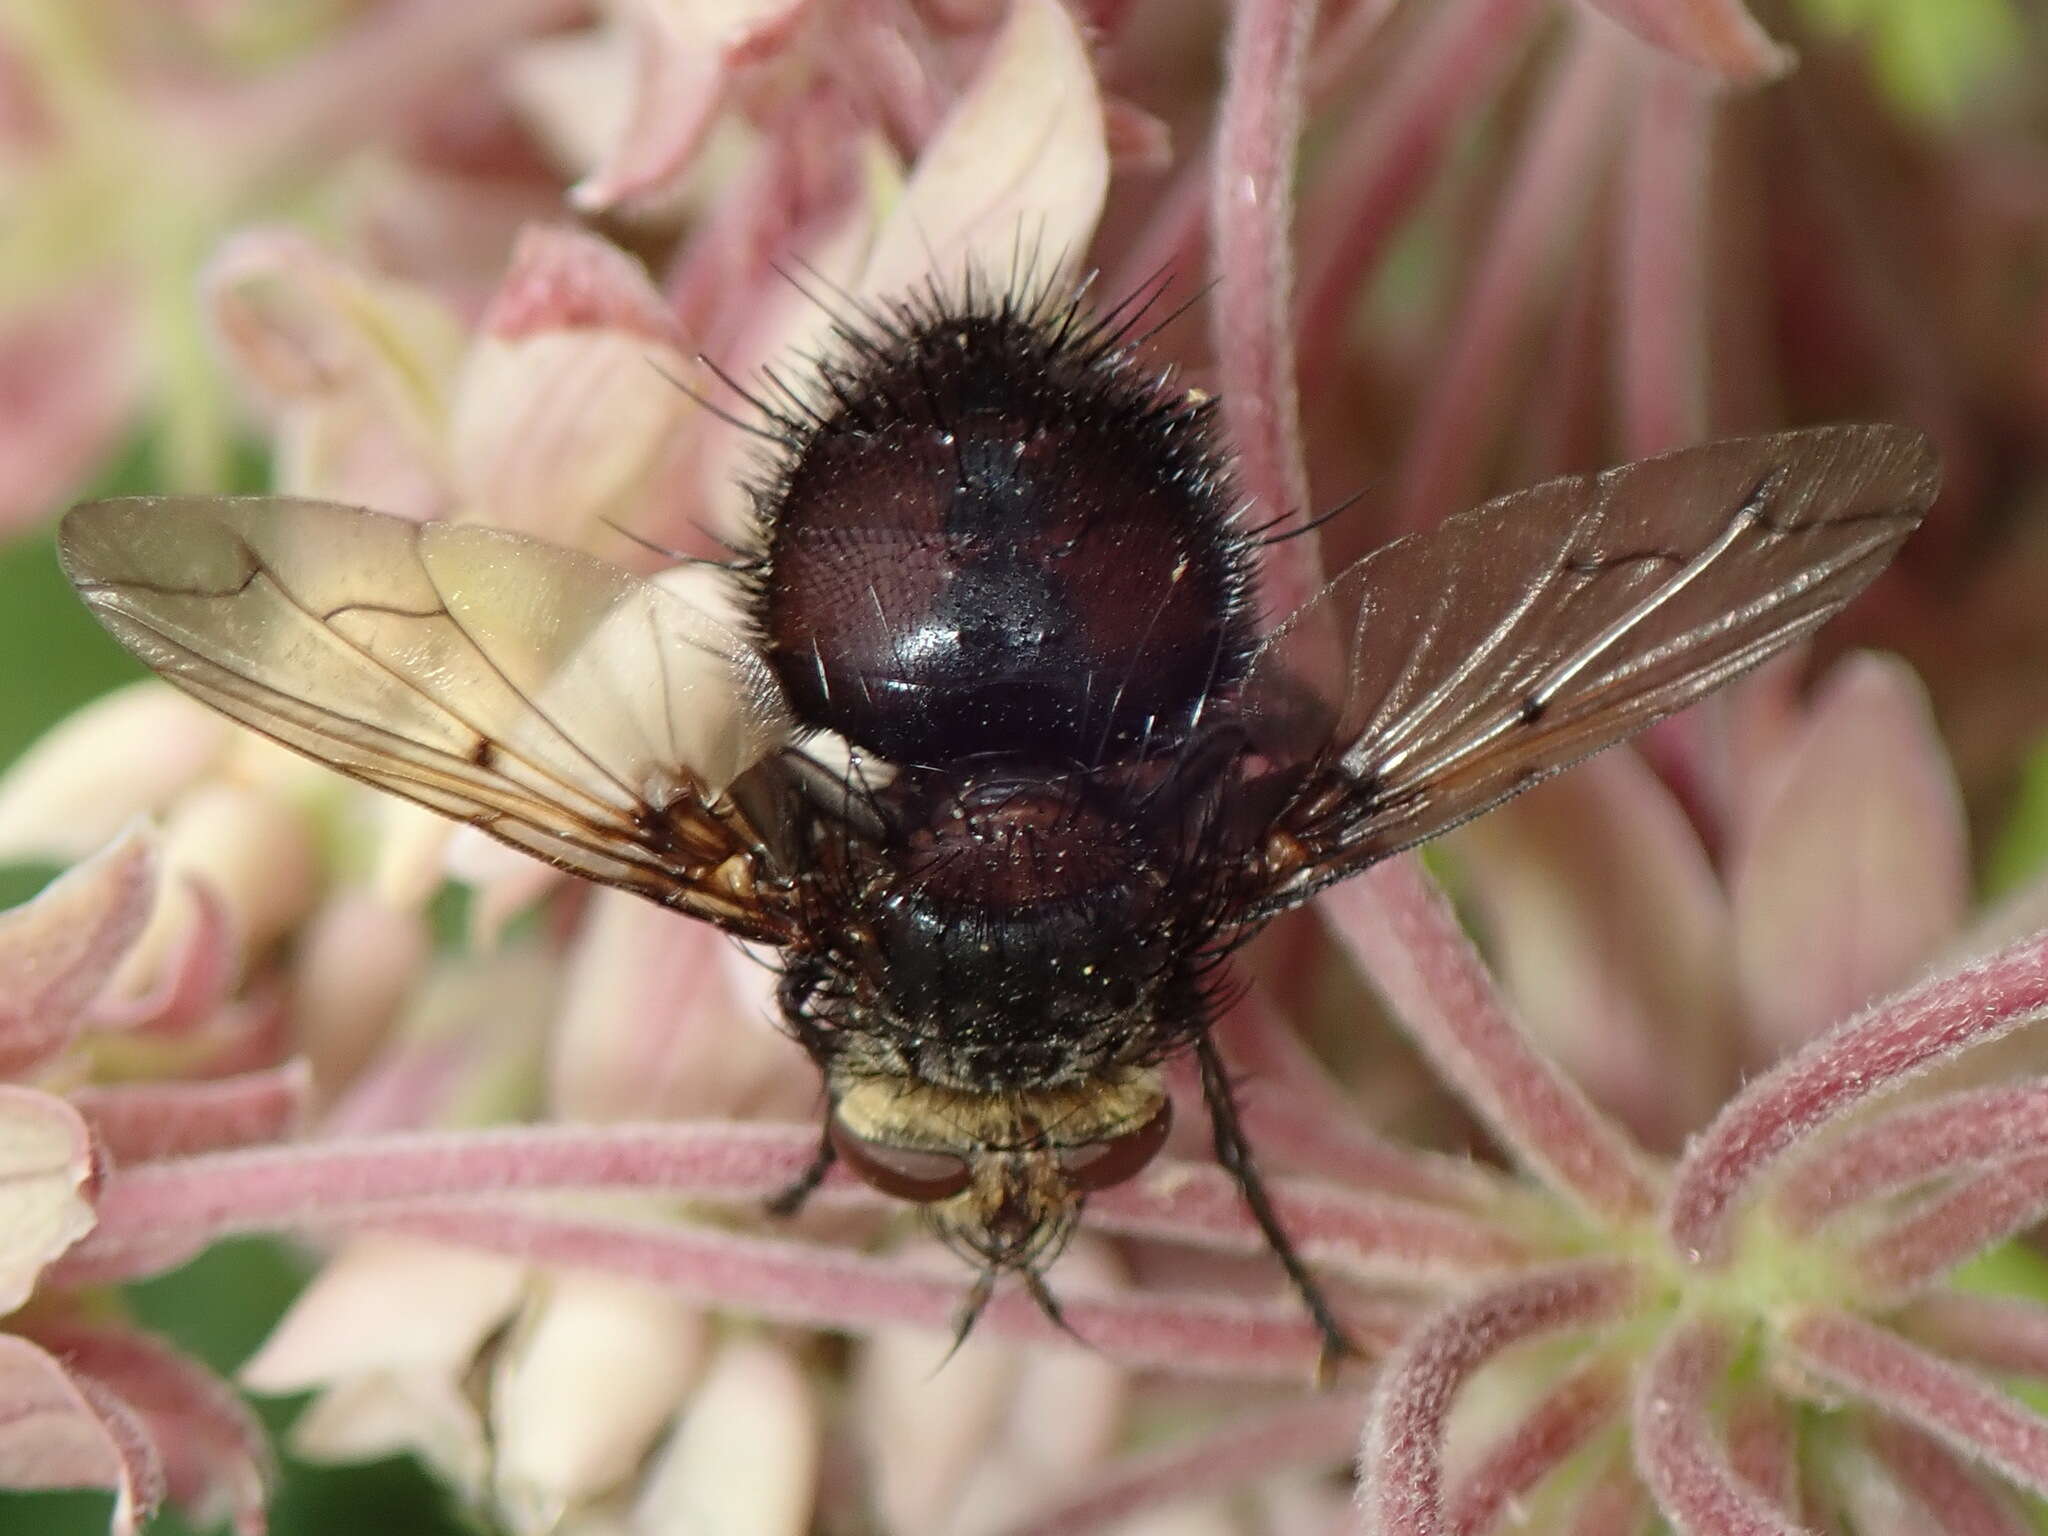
x: 908, y: 1173
x: 1099, y: 1164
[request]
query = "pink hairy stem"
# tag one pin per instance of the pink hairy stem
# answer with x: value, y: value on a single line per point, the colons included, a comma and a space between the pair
x: 1251, y: 238
x: 1402, y: 932
x: 814, y: 1286
x: 1954, y: 1405
x: 1950, y: 1494
x: 1950, y: 1228
x: 1678, y: 1451
x: 1870, y: 1055
x: 1999, y: 1333
x: 1401, y: 1467
x: 1563, y: 1420
x: 1912, y: 1146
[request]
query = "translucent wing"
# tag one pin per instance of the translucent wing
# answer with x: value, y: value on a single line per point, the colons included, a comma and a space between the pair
x: 557, y: 702
x: 1518, y: 637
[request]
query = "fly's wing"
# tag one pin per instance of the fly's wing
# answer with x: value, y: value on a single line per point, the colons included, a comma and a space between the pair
x: 559, y: 703
x: 1482, y: 655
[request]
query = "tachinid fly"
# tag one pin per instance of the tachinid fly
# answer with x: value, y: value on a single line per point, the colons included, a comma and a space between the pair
x: 995, y: 755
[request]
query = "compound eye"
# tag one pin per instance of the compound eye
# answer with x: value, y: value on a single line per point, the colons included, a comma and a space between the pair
x: 1098, y: 1164
x: 908, y: 1173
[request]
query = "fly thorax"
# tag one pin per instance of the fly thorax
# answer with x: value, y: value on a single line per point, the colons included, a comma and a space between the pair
x: 1018, y: 937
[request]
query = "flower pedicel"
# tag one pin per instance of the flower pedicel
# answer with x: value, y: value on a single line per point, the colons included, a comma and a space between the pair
x: 995, y: 758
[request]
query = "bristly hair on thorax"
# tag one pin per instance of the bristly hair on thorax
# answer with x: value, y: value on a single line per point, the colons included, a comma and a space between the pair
x: 991, y: 372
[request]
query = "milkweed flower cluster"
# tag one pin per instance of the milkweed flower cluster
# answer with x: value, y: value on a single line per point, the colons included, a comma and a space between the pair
x: 1660, y: 1290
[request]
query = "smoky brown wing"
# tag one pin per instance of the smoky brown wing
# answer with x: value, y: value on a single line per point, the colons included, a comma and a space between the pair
x: 559, y: 703
x: 1482, y: 655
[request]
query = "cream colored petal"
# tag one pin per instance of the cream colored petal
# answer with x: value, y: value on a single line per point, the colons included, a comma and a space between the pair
x: 45, y: 1169
x: 652, y: 1026
x: 1020, y: 164
x: 130, y: 753
x: 357, y: 961
x: 589, y: 1381
x: 427, y: 1415
x: 356, y: 369
x: 387, y: 1306
x: 963, y: 1449
x: 745, y: 1460
x: 559, y: 432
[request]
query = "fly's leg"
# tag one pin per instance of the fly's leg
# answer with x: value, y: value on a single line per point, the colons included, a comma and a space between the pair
x: 1235, y: 1154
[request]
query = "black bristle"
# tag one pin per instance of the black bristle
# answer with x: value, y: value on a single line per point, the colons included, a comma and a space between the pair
x: 993, y: 463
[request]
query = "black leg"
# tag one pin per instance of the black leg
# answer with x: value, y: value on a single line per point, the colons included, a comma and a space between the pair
x: 789, y: 1201
x: 1235, y: 1154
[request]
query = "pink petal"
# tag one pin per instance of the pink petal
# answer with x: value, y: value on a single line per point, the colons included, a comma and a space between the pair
x: 561, y: 278
x: 57, y: 1432
x: 1764, y: 1442
x: 200, y: 1198
x: 564, y: 431
x: 685, y: 52
x: 193, y: 980
x: 254, y: 849
x: 1715, y: 35
x: 1955, y: 1406
x: 57, y: 951
x: 467, y: 1049
x: 1139, y: 143
x: 357, y: 370
x: 1611, y: 931
x: 1678, y: 1451
x: 1020, y: 165
x: 1436, y: 79
x: 1862, y: 1059
x: 655, y: 1024
x: 1856, y: 870
x: 1400, y: 1463
x: 1399, y: 928
x: 216, y: 1458
x: 1251, y: 218
x: 1542, y: 211
x: 46, y: 1170
x: 137, y: 1122
x: 1660, y: 331
x: 68, y: 383
x: 1248, y: 1448
x: 130, y: 753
